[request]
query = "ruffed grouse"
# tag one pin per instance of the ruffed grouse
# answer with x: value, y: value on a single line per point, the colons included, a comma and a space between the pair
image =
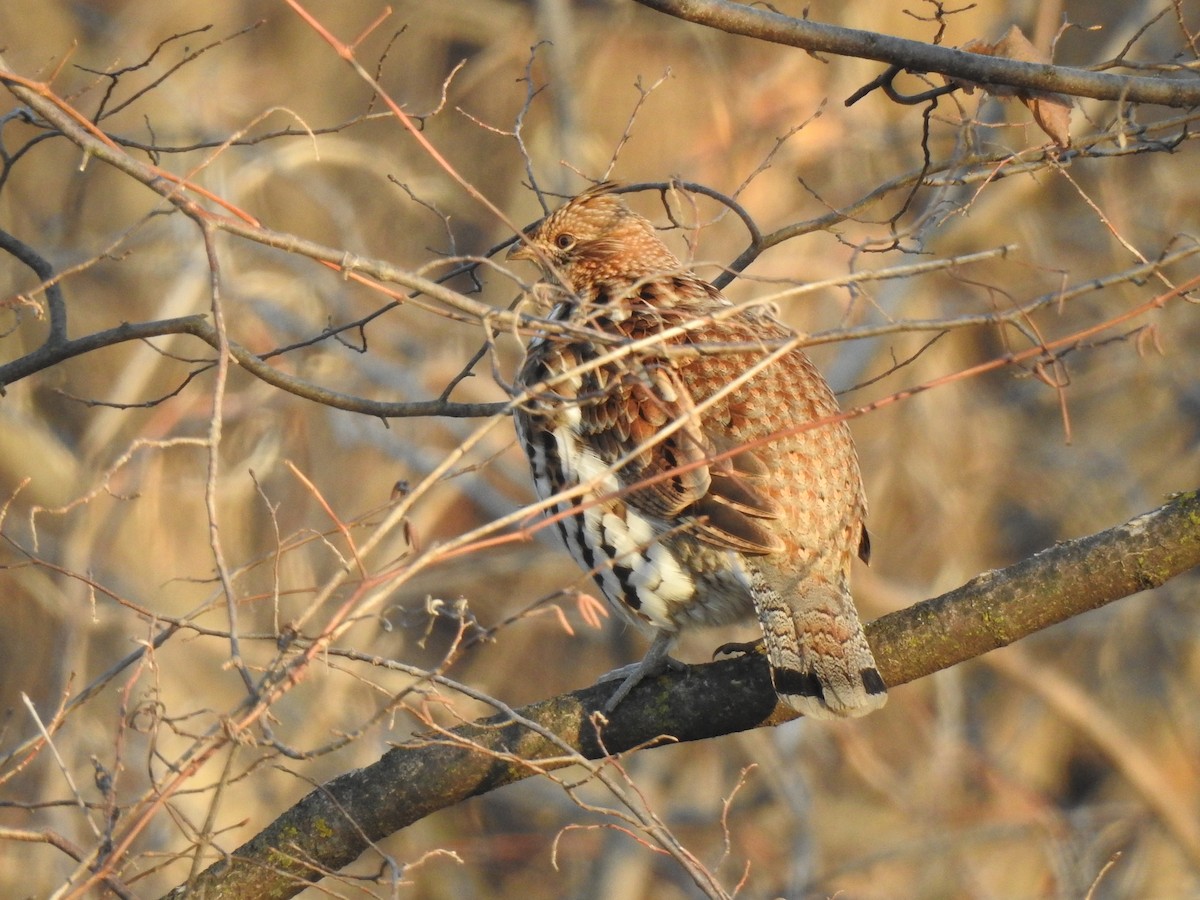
x: 675, y: 440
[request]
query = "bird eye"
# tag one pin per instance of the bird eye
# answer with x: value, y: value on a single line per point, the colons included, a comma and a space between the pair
x: 565, y: 241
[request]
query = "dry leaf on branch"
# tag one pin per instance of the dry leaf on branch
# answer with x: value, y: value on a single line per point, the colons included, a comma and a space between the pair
x: 1051, y: 110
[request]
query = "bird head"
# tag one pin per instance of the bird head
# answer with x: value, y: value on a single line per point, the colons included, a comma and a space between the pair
x: 595, y: 238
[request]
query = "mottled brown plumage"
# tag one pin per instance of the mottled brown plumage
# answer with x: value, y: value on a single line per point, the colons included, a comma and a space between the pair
x: 703, y: 499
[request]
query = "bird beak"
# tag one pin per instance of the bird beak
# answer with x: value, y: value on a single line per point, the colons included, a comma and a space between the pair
x: 522, y: 249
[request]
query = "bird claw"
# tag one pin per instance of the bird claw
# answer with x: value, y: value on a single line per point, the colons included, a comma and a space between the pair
x: 743, y: 647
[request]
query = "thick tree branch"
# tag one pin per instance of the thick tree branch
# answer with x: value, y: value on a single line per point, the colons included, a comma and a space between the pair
x: 915, y: 56
x: 330, y: 827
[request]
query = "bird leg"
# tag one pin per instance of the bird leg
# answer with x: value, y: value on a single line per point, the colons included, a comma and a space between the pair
x: 654, y: 663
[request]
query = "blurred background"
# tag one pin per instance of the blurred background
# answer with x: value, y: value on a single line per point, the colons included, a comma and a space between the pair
x: 1065, y: 764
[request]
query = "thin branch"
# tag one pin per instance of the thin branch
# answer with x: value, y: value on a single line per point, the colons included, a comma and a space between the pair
x: 54, y: 297
x: 46, y: 357
x: 72, y: 850
x: 216, y: 425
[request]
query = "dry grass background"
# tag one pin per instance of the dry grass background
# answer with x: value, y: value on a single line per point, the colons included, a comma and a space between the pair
x: 1022, y: 774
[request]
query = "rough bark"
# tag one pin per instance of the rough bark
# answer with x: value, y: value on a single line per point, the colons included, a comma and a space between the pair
x: 330, y: 827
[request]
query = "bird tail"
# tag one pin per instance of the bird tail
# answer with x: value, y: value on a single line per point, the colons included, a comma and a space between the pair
x: 821, y: 663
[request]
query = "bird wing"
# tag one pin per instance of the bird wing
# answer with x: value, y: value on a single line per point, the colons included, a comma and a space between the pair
x: 643, y: 421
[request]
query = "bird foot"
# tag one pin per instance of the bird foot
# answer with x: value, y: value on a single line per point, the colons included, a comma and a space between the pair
x: 654, y: 663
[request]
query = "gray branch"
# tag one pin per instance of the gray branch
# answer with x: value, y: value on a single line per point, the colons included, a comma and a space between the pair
x: 915, y: 56
x: 334, y: 824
